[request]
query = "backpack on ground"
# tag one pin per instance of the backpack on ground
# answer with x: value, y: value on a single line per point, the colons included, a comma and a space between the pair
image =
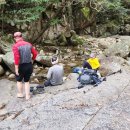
x: 85, y: 79
x: 37, y: 90
x: 88, y: 76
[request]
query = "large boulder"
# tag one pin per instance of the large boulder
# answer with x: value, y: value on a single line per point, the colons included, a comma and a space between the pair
x: 61, y: 40
x: 5, y: 47
x: 121, y: 48
x: 118, y: 49
x: 1, y: 58
x: 1, y: 70
x: 8, y: 59
x: 105, y: 43
x: 127, y: 29
x: 44, y: 60
x: 111, y: 65
x: 75, y: 39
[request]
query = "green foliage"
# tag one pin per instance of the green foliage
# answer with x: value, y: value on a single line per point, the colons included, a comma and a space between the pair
x: 55, y: 21
x: 35, y: 1
x: 2, y: 2
x: 18, y: 12
x: 112, y: 9
x: 25, y: 10
x: 86, y: 12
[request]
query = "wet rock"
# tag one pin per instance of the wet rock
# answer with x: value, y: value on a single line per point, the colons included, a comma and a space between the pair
x: 66, y: 57
x: 41, y: 52
x: 7, y: 73
x: 72, y: 59
x: 11, y: 76
x: 1, y: 58
x: 2, y: 105
x: 68, y: 50
x: 80, y: 52
x: 72, y: 65
x: 5, y: 47
x: 36, y: 80
x: 44, y: 60
x: 8, y: 59
x: 127, y: 29
x: 37, y: 70
x: 62, y: 40
x: 35, y: 66
x: 49, y: 43
x: 1, y: 70
x: 75, y: 39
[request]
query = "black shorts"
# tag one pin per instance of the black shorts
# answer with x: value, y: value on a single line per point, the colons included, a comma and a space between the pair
x: 25, y: 71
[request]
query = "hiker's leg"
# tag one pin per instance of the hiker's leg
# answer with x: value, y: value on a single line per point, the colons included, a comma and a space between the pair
x: 47, y: 83
x: 86, y: 65
x: 28, y: 68
x: 20, y: 89
x: 27, y: 90
x: 27, y: 86
x: 19, y: 85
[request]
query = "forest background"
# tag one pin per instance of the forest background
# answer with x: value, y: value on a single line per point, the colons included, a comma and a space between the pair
x: 42, y: 21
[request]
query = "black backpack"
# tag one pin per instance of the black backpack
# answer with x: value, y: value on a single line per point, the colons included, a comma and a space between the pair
x: 86, y: 77
x: 37, y: 90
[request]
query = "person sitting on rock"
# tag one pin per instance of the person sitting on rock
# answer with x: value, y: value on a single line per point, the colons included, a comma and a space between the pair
x: 94, y: 64
x: 54, y: 77
x: 55, y: 73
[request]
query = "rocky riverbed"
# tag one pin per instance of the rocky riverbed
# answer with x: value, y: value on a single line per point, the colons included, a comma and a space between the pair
x: 65, y: 107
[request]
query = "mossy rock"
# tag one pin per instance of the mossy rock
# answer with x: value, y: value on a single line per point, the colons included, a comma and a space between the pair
x: 75, y: 40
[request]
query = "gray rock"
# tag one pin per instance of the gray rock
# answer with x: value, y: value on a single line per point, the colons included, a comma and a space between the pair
x: 72, y: 64
x: 5, y: 47
x: 44, y: 60
x: 111, y: 65
x: 1, y: 70
x: 11, y: 76
x: 7, y: 73
x: 121, y: 48
x: 105, y: 43
x: 8, y: 59
x: 68, y: 108
x: 1, y: 58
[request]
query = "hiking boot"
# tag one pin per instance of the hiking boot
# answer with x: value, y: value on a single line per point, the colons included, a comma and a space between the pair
x: 96, y: 84
x: 32, y: 89
x: 80, y: 86
x: 104, y: 79
x: 40, y: 86
x: 38, y: 91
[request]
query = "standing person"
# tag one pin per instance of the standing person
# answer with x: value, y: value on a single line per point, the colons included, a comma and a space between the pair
x: 22, y: 51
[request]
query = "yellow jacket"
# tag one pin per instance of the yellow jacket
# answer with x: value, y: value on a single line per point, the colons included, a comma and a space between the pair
x: 94, y: 62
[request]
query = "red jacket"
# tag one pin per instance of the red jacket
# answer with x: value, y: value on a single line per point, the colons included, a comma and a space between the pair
x: 22, y: 52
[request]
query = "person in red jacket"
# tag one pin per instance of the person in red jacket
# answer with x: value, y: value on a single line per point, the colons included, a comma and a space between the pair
x: 24, y: 54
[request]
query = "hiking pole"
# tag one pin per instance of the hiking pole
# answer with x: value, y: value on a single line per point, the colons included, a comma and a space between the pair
x: 119, y: 71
